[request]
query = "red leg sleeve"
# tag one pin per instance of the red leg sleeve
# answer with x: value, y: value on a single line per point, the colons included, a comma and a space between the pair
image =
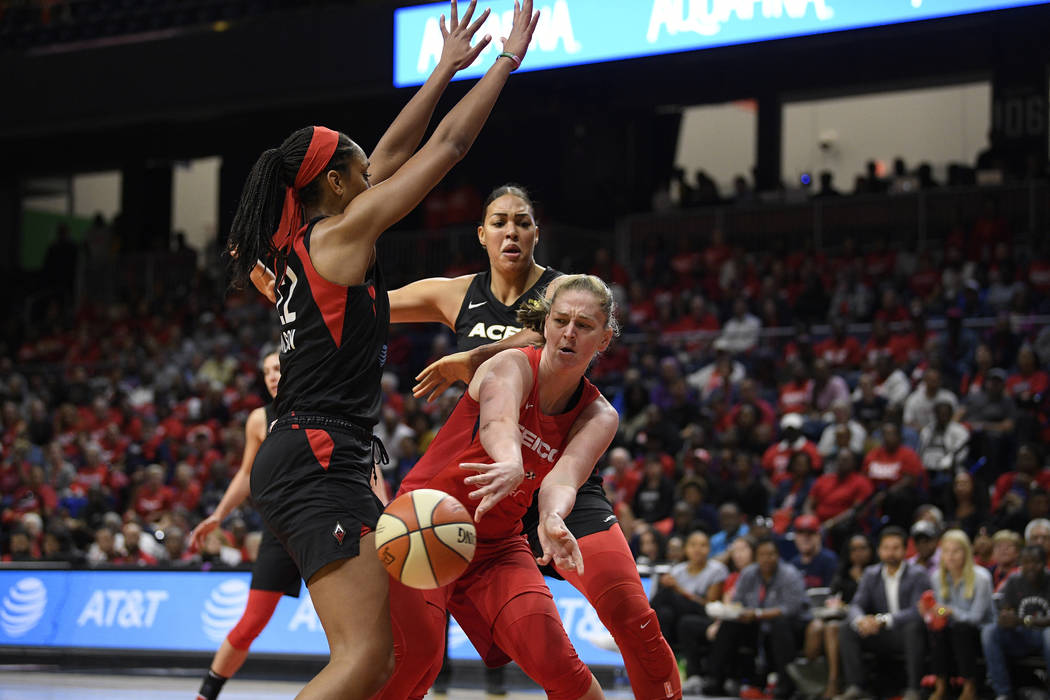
x: 611, y: 583
x: 254, y: 619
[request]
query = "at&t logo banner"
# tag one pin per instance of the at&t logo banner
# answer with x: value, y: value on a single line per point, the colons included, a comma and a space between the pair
x: 194, y: 611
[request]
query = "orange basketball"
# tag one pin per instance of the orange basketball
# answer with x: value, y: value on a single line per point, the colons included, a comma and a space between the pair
x: 425, y: 538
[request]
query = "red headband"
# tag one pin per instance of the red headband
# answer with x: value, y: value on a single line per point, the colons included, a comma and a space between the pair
x: 322, y: 147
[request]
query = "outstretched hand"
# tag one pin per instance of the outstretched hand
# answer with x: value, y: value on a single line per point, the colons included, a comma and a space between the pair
x: 441, y: 374
x: 496, y: 481
x: 202, y: 530
x: 522, y: 29
x: 457, y: 51
x: 558, y: 544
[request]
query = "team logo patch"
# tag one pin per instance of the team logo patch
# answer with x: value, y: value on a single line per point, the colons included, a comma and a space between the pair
x: 530, y: 475
x: 339, y: 533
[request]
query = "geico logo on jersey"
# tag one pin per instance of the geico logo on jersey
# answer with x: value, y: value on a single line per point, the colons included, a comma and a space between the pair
x: 23, y: 607
x: 535, y: 443
x: 122, y: 607
x: 223, y: 608
x: 493, y: 332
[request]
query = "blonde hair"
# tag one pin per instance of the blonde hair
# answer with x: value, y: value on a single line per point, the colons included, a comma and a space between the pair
x: 533, y: 312
x: 960, y: 538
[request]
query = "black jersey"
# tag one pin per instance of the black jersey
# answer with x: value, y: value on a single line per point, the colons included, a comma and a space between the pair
x: 484, y: 319
x: 333, y: 340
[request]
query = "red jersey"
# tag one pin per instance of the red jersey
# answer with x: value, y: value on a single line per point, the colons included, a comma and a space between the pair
x: 886, y: 469
x: 836, y: 354
x: 832, y: 494
x: 778, y: 456
x: 542, y: 440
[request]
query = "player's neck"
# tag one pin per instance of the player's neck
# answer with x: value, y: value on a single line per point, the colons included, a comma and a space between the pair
x: 509, y: 288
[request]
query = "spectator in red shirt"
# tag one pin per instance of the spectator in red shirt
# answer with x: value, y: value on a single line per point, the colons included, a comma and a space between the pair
x: 699, y: 318
x: 879, y: 344
x: 93, y: 473
x: 152, y: 498
x: 973, y: 381
x: 186, y: 489
x: 796, y: 396
x: 840, y: 351
x: 837, y: 498
x: 133, y: 552
x: 896, y: 472
x: 1012, y: 488
x: 608, y: 269
x: 1039, y: 273
x: 776, y: 459
x: 33, y: 496
x: 1028, y: 382
x: 891, y: 310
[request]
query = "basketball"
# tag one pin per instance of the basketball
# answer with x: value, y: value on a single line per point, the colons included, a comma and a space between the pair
x: 425, y: 538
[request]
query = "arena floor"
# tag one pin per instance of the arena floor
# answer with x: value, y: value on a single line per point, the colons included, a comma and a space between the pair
x: 35, y: 685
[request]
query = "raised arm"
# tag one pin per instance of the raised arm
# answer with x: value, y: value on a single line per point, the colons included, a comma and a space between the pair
x: 402, y: 137
x: 590, y: 436
x: 431, y: 300
x: 377, y: 208
x: 460, y: 366
x: 499, y: 387
x: 240, y: 486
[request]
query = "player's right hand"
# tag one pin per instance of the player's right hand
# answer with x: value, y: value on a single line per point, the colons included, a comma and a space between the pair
x: 522, y: 29
x: 496, y: 481
x: 202, y: 530
x: 440, y: 375
x: 457, y: 51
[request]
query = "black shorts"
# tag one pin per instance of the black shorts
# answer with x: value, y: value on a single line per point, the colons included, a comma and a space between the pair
x: 592, y: 513
x: 273, y: 569
x: 311, y: 482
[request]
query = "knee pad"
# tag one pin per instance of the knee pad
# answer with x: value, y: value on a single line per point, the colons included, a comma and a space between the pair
x: 529, y: 629
x: 254, y: 619
x: 635, y: 627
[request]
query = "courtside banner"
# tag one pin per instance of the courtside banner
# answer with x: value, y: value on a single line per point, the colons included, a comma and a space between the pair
x: 574, y: 32
x: 194, y: 611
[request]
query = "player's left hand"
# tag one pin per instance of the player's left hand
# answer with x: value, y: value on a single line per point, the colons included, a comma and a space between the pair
x: 496, y: 481
x: 457, y: 51
x: 558, y: 544
x: 441, y: 374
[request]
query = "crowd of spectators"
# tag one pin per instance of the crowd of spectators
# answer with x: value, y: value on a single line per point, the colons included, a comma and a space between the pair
x: 806, y: 399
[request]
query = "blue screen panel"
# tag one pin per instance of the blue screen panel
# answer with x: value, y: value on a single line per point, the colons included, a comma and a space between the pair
x: 194, y: 611
x: 575, y: 32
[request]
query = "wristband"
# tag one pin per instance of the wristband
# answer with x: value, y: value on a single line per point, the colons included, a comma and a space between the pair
x: 513, y: 59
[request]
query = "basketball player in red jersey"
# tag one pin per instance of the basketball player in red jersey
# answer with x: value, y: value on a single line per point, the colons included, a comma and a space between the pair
x: 310, y: 480
x: 513, y: 427
x: 481, y: 310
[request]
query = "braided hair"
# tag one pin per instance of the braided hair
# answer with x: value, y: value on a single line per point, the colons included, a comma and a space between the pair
x: 259, y: 211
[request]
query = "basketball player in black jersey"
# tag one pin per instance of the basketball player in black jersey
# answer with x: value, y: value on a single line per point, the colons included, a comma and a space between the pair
x: 273, y: 573
x: 316, y: 206
x: 481, y: 309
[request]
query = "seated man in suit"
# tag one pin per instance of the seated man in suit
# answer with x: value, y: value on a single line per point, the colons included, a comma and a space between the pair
x: 884, y: 616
